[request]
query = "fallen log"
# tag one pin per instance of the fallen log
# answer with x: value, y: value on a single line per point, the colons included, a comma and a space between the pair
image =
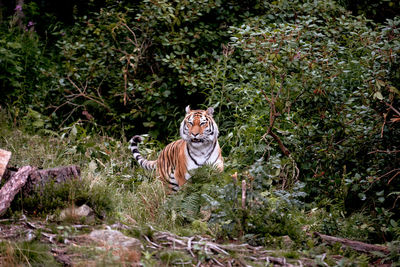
x: 27, y: 179
x: 39, y: 178
x: 356, y: 245
x: 4, y: 158
x: 12, y: 187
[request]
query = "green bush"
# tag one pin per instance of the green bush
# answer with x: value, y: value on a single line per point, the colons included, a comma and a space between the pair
x: 329, y: 80
x: 212, y: 204
x: 23, y: 69
x: 138, y: 67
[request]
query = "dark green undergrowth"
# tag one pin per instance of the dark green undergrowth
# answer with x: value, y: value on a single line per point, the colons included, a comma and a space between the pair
x: 212, y: 204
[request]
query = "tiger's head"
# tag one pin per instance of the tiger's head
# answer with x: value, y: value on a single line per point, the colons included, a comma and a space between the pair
x: 198, y: 128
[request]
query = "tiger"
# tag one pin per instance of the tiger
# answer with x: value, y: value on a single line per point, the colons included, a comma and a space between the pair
x: 198, y: 146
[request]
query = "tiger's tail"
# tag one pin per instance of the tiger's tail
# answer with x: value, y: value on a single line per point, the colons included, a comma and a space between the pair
x: 133, y: 146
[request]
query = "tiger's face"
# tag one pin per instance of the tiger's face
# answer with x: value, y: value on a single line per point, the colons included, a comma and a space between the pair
x: 199, y: 127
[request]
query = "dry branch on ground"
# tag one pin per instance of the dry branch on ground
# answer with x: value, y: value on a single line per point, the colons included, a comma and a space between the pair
x: 29, y: 178
x: 356, y: 245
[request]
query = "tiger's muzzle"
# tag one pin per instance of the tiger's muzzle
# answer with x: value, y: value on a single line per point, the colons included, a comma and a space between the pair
x: 197, y: 140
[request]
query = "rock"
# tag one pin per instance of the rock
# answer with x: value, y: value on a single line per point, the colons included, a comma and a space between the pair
x: 115, y: 238
x: 120, y: 226
x: 82, y: 213
x: 287, y: 241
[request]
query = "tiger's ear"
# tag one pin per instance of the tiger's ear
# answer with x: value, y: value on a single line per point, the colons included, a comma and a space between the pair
x: 187, y: 109
x: 210, y: 111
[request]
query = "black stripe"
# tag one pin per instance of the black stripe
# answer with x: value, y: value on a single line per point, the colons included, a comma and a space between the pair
x: 172, y: 183
x: 190, y: 155
x: 212, y: 150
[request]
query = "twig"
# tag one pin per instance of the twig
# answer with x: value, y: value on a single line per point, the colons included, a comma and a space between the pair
x: 189, y: 246
x: 380, y: 177
x: 390, y: 180
x: 384, y: 151
x: 392, y: 108
x: 83, y: 94
x: 243, y: 194
x: 217, y: 262
x: 384, y: 122
x: 198, y: 244
x: 356, y: 245
x: 279, y: 141
x: 272, y: 117
x: 155, y: 245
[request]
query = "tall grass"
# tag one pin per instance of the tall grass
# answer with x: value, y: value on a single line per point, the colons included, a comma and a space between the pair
x: 25, y: 254
x: 110, y: 183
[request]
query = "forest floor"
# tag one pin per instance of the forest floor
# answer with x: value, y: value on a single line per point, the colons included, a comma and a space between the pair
x: 26, y: 240
x: 40, y: 242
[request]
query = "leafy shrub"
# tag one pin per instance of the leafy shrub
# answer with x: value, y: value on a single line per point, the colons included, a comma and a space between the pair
x: 211, y: 204
x: 138, y: 67
x: 24, y: 68
x: 322, y: 79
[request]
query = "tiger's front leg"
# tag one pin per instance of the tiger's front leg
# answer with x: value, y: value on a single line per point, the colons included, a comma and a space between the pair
x: 219, y: 165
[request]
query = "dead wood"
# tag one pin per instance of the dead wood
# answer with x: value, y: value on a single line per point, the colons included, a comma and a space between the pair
x: 217, y: 252
x: 39, y: 178
x: 243, y: 194
x: 356, y: 245
x: 4, y: 158
x: 27, y: 179
x: 13, y: 186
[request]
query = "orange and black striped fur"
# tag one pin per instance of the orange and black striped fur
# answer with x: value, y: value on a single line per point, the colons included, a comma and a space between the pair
x: 198, y: 146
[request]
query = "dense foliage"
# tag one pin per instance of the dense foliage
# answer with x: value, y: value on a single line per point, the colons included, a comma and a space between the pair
x: 306, y: 97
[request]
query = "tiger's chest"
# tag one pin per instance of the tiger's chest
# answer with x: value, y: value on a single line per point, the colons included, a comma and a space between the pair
x: 197, y: 157
x: 177, y: 170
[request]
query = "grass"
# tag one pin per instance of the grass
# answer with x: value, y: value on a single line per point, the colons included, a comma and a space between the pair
x: 25, y: 254
x: 111, y: 183
x: 118, y: 191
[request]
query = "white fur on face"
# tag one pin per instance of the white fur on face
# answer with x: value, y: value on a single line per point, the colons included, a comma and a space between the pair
x: 209, y: 134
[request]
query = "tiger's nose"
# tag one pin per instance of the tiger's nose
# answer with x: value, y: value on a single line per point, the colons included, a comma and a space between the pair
x: 195, y: 134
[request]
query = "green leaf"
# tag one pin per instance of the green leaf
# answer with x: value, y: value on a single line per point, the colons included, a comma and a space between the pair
x: 378, y: 95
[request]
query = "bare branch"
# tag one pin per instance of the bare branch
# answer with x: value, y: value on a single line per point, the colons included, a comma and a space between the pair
x: 384, y: 151
x: 392, y: 108
x: 243, y: 194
